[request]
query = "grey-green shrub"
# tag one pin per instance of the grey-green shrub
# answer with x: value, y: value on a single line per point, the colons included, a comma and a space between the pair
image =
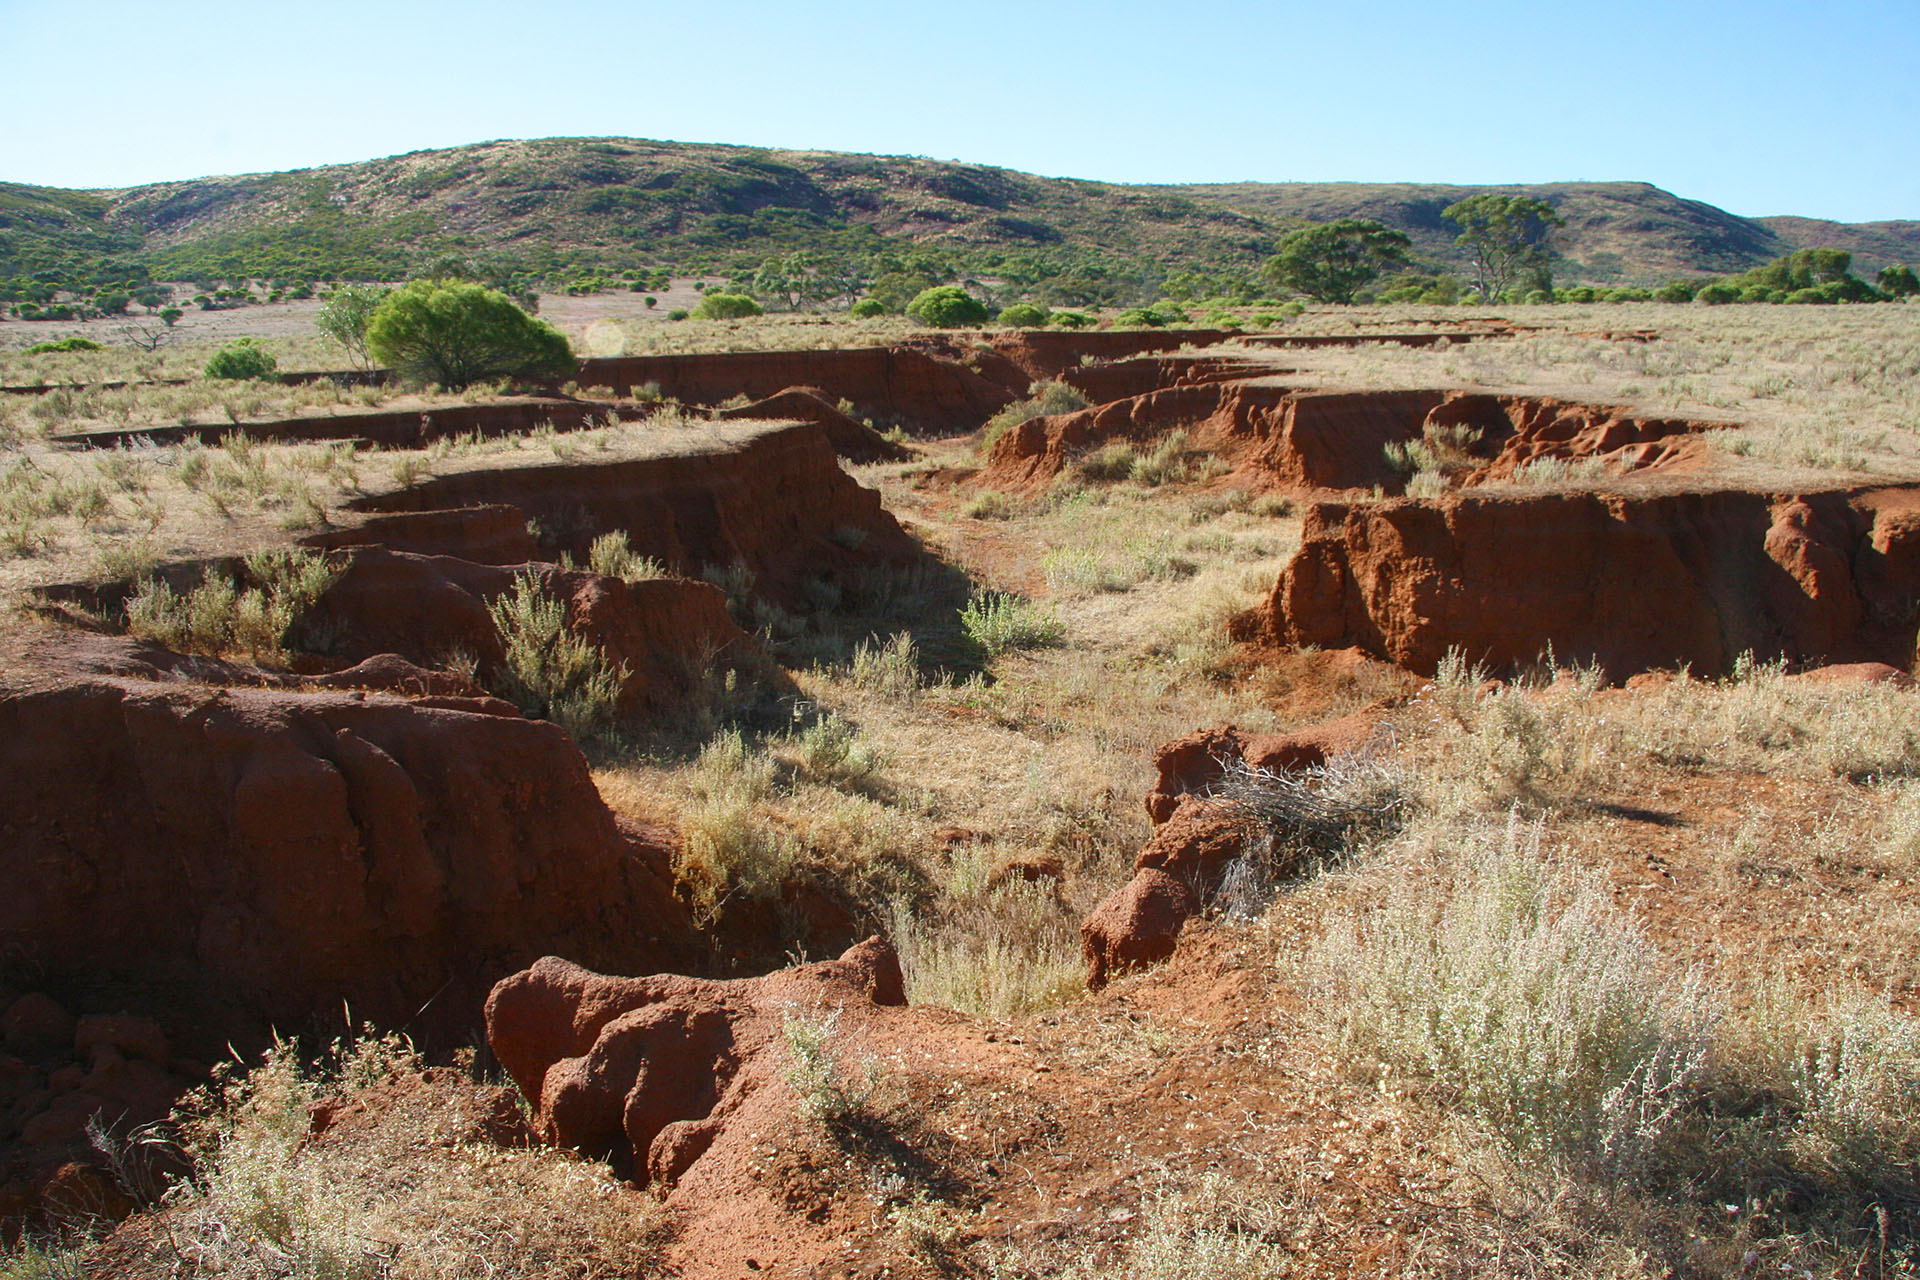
x: 550, y: 672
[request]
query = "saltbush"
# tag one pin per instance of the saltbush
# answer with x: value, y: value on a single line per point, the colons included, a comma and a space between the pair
x: 63, y: 344
x: 867, y: 309
x: 241, y: 361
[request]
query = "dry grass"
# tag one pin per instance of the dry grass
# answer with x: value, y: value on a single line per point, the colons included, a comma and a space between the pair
x: 1823, y: 388
x: 413, y: 1186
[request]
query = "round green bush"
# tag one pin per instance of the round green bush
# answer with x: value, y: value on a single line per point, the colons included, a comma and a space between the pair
x: 1139, y: 318
x: 1070, y: 319
x: 946, y: 306
x: 241, y: 361
x: 1717, y: 294
x: 678, y: 313
x: 1024, y: 315
x: 63, y: 344
x: 1169, y: 313
x: 456, y: 334
x: 726, y: 306
x: 867, y: 309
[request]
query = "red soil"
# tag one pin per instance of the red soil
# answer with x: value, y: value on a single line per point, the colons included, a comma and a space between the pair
x: 774, y: 500
x: 1630, y: 583
x: 1283, y: 437
x: 648, y: 1072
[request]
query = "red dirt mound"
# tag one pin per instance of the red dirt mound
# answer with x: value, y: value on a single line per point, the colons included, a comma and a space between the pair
x: 771, y: 497
x: 647, y: 1072
x: 486, y: 535
x: 1195, y: 762
x: 295, y: 849
x: 924, y: 390
x: 854, y: 441
x: 1196, y: 838
x: 667, y: 632
x: 1283, y: 437
x: 58, y: 1073
x: 1630, y: 583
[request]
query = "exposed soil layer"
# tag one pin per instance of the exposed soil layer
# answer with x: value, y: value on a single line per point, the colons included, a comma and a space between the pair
x: 1279, y: 436
x: 665, y: 634
x: 770, y: 497
x: 925, y: 391
x: 294, y: 849
x: 854, y: 441
x: 938, y: 385
x: 1628, y: 582
x: 385, y: 428
x: 1108, y: 380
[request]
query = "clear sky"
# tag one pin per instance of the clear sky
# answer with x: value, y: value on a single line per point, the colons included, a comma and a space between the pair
x: 1760, y: 106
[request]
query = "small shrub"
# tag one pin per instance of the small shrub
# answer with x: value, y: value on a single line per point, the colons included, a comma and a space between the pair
x: 725, y: 306
x: 611, y: 555
x: 217, y: 617
x: 891, y: 670
x: 946, y: 306
x: 1139, y: 318
x: 1111, y: 461
x: 990, y: 504
x: 550, y: 672
x: 241, y: 361
x: 867, y: 309
x: 678, y: 313
x: 1024, y: 315
x: 834, y: 752
x: 1165, y: 463
x: 1070, y: 319
x: 62, y: 344
x: 1050, y: 397
x: 997, y: 622
x: 1513, y: 989
x: 822, y: 1088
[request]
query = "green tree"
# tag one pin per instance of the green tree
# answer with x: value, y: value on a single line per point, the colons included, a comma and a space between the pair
x: 1333, y: 261
x: 947, y: 306
x: 459, y: 334
x: 1899, y: 282
x: 1507, y: 238
x: 346, y: 315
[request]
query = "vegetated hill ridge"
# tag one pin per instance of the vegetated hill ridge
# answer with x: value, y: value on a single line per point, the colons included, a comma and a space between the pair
x: 551, y: 204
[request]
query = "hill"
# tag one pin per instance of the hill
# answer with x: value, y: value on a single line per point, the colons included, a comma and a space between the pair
x: 557, y: 208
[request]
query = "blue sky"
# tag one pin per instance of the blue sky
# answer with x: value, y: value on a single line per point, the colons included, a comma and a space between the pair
x: 1760, y: 107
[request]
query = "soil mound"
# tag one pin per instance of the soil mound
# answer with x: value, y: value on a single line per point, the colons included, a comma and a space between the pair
x: 294, y: 849
x: 925, y: 391
x: 854, y: 441
x: 647, y: 1072
x: 666, y: 632
x: 772, y: 498
x: 1197, y: 838
x: 57, y: 1074
x: 1629, y: 583
x: 1276, y: 436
